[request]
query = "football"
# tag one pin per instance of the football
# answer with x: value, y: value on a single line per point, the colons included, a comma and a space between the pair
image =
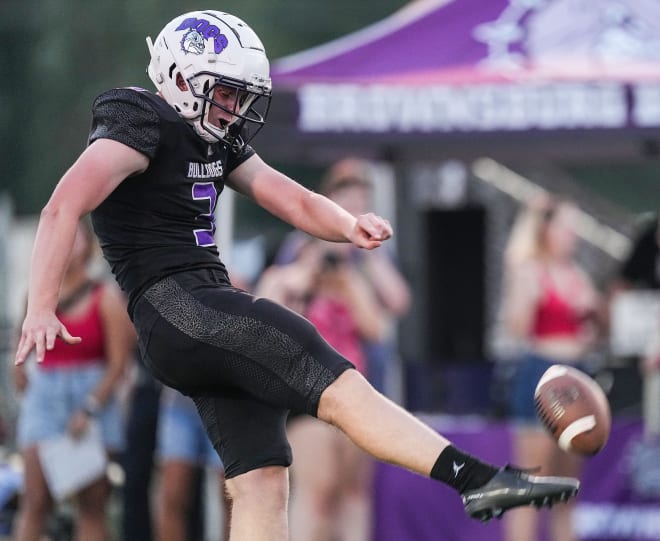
x: 574, y: 409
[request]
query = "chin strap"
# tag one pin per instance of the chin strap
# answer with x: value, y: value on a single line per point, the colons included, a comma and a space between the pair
x: 206, y: 134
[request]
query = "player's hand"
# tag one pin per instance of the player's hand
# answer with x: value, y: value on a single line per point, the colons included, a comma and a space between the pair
x: 370, y: 231
x: 39, y: 333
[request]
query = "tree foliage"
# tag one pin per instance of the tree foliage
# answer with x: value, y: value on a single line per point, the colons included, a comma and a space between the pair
x: 58, y: 55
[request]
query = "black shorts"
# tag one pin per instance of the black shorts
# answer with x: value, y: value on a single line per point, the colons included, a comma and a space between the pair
x: 245, y: 361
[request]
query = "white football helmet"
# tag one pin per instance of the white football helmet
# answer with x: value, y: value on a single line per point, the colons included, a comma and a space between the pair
x: 205, y: 49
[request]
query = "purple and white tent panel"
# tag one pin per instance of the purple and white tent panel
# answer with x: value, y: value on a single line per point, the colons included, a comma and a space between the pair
x: 442, y: 66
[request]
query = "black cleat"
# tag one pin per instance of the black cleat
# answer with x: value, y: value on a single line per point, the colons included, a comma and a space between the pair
x: 513, y: 487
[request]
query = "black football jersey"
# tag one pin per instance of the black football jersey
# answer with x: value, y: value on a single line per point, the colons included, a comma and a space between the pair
x: 161, y: 221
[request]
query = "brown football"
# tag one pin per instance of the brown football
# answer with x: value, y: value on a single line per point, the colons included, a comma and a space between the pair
x: 574, y: 409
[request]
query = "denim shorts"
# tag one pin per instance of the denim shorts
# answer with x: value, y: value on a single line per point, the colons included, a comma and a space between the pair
x: 529, y: 371
x: 53, y: 395
x: 181, y: 433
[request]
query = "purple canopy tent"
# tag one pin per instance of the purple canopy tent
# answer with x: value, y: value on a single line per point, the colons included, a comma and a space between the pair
x: 529, y: 83
x: 553, y: 77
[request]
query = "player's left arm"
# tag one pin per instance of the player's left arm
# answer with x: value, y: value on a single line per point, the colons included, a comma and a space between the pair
x: 304, y: 209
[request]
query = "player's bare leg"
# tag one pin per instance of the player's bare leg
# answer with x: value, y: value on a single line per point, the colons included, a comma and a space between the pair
x: 393, y: 435
x: 378, y: 425
x: 259, y: 505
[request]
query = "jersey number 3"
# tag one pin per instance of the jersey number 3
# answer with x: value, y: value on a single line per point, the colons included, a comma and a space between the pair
x: 208, y: 195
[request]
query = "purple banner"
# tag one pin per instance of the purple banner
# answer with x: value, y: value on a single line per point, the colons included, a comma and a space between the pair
x: 440, y: 66
x: 472, y: 40
x: 412, y: 508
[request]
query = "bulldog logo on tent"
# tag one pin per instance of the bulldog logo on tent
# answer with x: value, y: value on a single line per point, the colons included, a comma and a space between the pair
x: 546, y: 33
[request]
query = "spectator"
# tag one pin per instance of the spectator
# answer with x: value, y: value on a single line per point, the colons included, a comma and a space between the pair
x: 291, y: 284
x: 636, y: 287
x: 184, y: 451
x: 74, y: 384
x: 331, y: 477
x: 348, y: 183
x: 640, y: 273
x: 549, y: 304
x: 641, y: 270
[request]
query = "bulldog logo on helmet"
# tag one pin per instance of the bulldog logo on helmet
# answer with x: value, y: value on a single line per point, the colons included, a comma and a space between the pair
x: 199, y: 30
x: 192, y: 42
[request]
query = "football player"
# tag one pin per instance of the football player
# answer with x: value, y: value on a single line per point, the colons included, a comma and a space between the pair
x: 151, y: 176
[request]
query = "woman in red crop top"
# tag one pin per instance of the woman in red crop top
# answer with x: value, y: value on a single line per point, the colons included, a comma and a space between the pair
x: 550, y: 305
x: 74, y: 383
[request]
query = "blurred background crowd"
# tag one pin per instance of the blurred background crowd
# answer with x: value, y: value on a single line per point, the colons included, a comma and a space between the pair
x: 515, y: 147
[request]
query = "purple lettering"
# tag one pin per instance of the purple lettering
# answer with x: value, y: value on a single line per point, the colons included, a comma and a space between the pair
x: 205, y: 191
x: 208, y: 30
x: 187, y: 23
x: 202, y: 26
x: 220, y: 43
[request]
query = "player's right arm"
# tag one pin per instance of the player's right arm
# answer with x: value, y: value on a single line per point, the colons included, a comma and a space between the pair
x: 97, y: 172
